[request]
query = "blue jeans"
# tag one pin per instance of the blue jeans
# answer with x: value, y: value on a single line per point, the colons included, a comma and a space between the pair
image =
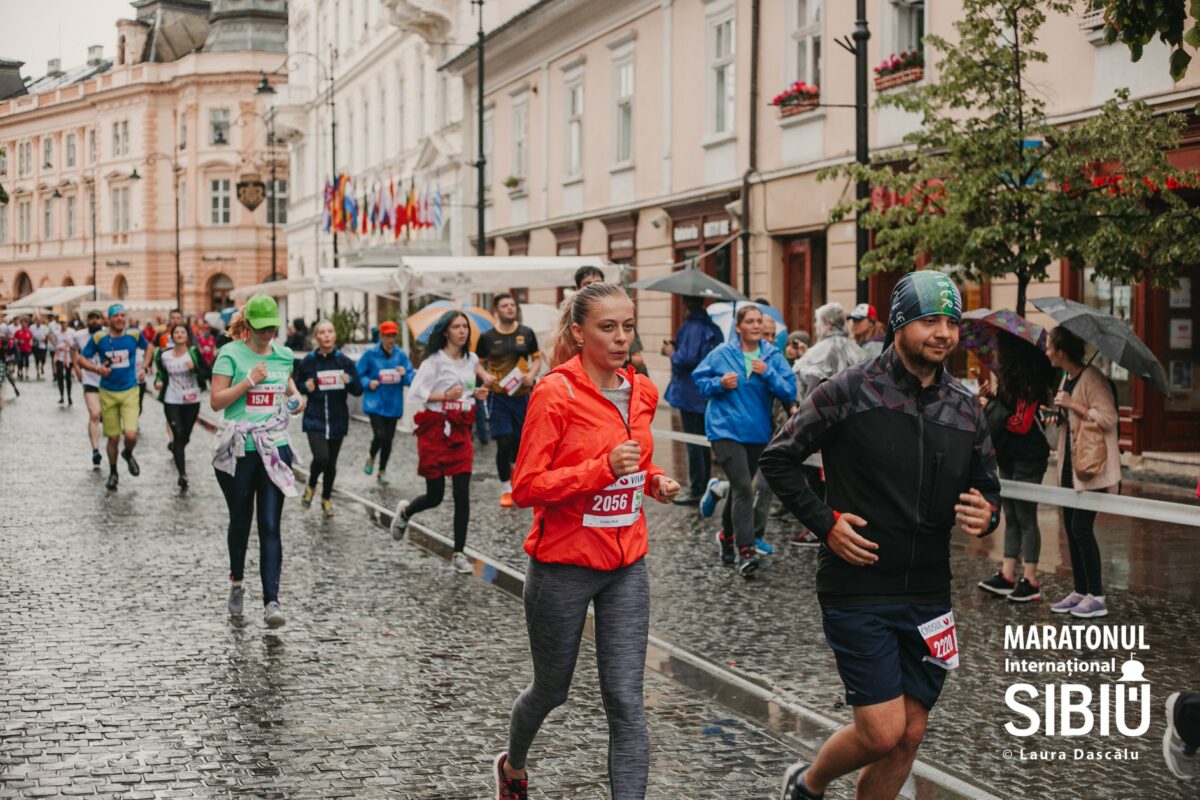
x: 247, y: 490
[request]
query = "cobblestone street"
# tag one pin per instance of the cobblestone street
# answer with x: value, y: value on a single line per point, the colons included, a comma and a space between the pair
x: 123, y: 676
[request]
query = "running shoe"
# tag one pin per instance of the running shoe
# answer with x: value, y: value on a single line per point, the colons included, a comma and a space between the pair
x: 306, y: 500
x: 998, y: 584
x: 1181, y: 759
x: 1025, y: 592
x: 369, y: 467
x: 762, y: 548
x: 805, y: 538
x: 382, y: 478
x: 509, y: 788
x: 793, y: 784
x: 749, y: 564
x: 111, y: 483
x: 273, y: 615
x: 1089, y: 608
x: 460, y: 563
x: 237, y: 599
x: 708, y: 502
x: 131, y: 462
x: 327, y: 508
x: 95, y: 459
x: 725, y: 546
x: 61, y: 401
x: 1065, y: 605
x: 506, y: 500
x: 183, y: 484
x: 399, y: 521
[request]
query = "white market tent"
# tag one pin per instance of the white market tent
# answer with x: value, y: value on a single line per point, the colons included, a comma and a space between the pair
x: 134, y: 308
x: 47, y: 297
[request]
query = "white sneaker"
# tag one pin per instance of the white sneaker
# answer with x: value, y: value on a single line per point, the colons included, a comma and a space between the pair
x: 399, y: 521
x: 460, y: 563
x: 273, y: 615
x: 1180, y: 758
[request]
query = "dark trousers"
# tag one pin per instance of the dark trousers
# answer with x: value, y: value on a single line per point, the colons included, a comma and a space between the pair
x: 435, y: 490
x: 740, y: 462
x: 249, y: 490
x: 699, y: 462
x: 1085, y: 552
x: 182, y: 418
x: 383, y: 431
x: 324, y: 462
x: 62, y: 376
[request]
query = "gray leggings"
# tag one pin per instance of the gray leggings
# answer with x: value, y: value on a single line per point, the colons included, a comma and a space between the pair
x: 740, y: 462
x: 1022, y: 537
x: 556, y: 602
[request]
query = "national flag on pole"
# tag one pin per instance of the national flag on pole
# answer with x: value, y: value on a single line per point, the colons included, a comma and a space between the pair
x: 411, y: 209
x: 365, y: 208
x: 326, y: 216
x: 437, y: 204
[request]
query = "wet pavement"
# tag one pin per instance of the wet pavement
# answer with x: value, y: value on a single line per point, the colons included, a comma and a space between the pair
x: 769, y: 630
x: 123, y: 675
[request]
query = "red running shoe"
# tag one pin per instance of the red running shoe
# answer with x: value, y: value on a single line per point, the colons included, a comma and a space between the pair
x: 509, y: 788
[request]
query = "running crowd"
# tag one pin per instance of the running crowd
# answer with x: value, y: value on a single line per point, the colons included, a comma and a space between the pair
x: 907, y: 453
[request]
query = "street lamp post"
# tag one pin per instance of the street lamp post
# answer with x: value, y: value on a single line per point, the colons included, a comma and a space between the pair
x: 862, y: 145
x: 133, y: 176
x: 328, y: 75
x: 265, y: 88
x: 481, y: 158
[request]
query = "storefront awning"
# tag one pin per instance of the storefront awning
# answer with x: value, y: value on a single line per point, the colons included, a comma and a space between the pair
x: 51, y: 297
x: 457, y: 276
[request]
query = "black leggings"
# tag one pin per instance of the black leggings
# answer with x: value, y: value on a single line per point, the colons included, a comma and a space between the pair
x: 182, y: 418
x: 435, y: 489
x: 506, y: 454
x: 383, y: 430
x: 1085, y: 552
x: 62, y: 376
x: 247, y: 492
x: 324, y: 460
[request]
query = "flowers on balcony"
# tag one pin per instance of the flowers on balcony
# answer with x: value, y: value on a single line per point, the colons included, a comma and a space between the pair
x: 797, y: 99
x: 899, y: 69
x: 515, y: 185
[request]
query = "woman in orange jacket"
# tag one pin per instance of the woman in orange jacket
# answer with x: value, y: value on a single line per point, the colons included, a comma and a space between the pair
x: 584, y: 464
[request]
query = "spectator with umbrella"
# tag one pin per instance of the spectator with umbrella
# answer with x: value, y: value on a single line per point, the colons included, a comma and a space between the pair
x: 1013, y: 348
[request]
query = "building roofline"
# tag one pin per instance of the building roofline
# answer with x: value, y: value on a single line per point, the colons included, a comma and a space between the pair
x: 467, y: 56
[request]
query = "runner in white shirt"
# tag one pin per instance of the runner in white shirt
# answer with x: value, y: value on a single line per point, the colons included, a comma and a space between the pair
x: 446, y: 389
x: 41, y: 332
x: 180, y: 379
x: 62, y: 341
x: 91, y: 383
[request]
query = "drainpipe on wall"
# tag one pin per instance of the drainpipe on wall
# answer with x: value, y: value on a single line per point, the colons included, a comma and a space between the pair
x: 752, y: 166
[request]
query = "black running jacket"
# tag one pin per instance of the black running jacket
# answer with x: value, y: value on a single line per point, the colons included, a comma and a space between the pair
x: 897, y: 455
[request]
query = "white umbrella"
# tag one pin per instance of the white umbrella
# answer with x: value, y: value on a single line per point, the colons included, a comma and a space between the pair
x: 722, y: 315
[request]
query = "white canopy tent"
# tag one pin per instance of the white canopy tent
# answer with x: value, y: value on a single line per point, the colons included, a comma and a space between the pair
x: 47, y: 297
x: 276, y: 289
x: 457, y: 277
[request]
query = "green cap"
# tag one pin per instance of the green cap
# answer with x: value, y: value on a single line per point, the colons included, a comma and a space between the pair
x: 261, y: 311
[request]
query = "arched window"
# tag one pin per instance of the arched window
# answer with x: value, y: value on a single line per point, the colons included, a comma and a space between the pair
x: 68, y: 281
x: 120, y: 287
x: 219, y: 287
x: 24, y: 285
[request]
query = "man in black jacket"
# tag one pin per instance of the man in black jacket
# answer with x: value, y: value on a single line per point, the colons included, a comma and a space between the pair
x: 907, y: 456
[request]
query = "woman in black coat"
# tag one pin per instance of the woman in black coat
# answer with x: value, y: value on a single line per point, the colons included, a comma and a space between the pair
x: 326, y: 375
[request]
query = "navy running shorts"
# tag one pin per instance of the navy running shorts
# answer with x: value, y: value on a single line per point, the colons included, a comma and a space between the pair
x: 880, y: 653
x: 507, y: 414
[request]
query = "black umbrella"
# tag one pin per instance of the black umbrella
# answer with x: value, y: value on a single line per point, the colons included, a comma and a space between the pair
x: 1110, y: 336
x: 692, y: 283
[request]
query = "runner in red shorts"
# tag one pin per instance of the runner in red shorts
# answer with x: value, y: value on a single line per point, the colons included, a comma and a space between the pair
x: 445, y: 389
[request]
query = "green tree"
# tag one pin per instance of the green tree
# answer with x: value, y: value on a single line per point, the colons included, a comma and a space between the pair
x: 1135, y: 23
x: 988, y: 184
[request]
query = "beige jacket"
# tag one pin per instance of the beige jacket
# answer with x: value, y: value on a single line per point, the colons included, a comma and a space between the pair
x: 1094, y: 392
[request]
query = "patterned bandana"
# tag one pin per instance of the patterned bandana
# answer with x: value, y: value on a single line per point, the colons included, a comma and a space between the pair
x: 923, y: 293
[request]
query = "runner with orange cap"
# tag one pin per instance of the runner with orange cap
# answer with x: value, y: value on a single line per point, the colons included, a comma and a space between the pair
x: 384, y: 371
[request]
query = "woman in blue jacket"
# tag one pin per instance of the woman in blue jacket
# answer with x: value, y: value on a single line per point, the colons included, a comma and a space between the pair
x: 326, y: 375
x: 740, y: 380
x: 384, y: 371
